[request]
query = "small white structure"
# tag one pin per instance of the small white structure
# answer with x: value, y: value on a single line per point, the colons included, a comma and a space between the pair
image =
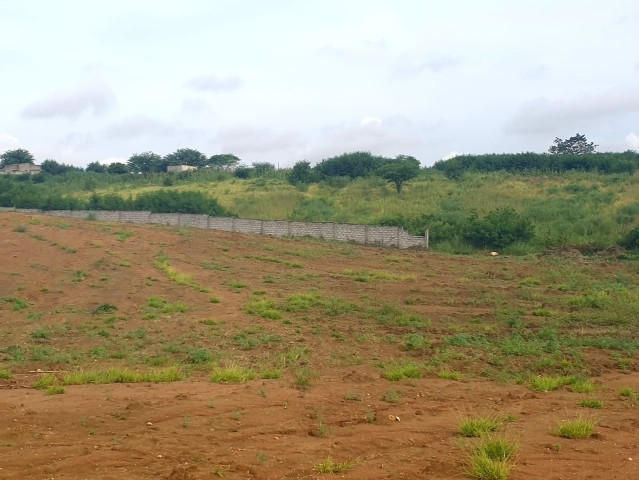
x: 20, y: 168
x: 179, y: 168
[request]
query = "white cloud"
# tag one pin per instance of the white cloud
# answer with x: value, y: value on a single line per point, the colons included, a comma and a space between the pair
x: 196, y: 106
x: 139, y: 126
x: 374, y: 134
x: 248, y: 139
x: 8, y: 141
x: 92, y: 96
x: 450, y: 155
x: 213, y: 83
x: 110, y: 160
x: 632, y: 140
x: 548, y: 116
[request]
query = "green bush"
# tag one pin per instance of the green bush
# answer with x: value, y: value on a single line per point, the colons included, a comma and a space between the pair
x: 500, y: 228
x: 631, y: 240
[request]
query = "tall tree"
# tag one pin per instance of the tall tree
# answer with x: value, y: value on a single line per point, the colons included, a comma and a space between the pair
x: 577, y: 144
x: 96, y: 167
x: 224, y: 161
x: 302, y: 173
x: 399, y: 171
x: 146, y: 162
x: 262, y: 168
x: 186, y: 156
x: 12, y: 157
x: 117, y: 168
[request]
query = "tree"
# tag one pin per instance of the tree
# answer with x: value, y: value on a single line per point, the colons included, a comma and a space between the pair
x: 117, y: 168
x: 224, y: 161
x: 12, y: 157
x: 399, y: 171
x: 186, y: 156
x: 302, y: 173
x: 577, y: 144
x: 355, y: 164
x: 262, y: 168
x: 54, y: 168
x: 96, y: 167
x: 146, y: 162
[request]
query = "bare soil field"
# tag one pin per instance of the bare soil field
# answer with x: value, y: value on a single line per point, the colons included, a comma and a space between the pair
x: 146, y: 352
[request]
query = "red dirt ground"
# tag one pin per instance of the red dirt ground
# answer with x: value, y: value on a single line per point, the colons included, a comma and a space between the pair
x: 268, y: 429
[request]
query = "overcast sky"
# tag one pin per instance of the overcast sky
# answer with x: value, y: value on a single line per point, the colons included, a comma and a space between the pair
x: 287, y: 80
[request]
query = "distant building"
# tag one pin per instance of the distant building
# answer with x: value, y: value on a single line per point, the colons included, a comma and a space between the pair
x: 20, y: 168
x: 179, y: 168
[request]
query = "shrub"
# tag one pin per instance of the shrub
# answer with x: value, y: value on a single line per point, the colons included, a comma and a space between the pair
x: 500, y: 228
x: 631, y: 240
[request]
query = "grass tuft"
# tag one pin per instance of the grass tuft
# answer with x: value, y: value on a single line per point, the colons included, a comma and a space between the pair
x: 233, y: 373
x: 331, y: 466
x: 122, y: 375
x: 404, y: 370
x: 478, y: 426
x: 579, y: 428
x: 592, y: 403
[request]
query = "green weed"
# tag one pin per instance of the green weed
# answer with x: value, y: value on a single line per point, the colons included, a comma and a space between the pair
x: 478, y: 426
x: 399, y: 371
x: 232, y: 373
x: 591, y: 403
x: 331, y: 466
x: 579, y: 428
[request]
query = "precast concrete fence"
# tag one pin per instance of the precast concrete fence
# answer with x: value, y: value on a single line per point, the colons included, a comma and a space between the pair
x: 340, y: 232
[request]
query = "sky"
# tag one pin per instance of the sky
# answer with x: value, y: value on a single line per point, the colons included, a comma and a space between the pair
x: 289, y: 80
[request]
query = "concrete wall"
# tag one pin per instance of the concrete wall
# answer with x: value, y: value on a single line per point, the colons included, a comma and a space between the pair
x: 341, y: 232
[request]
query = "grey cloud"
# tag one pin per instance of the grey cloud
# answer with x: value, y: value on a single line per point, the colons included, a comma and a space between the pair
x: 93, y: 96
x: 433, y: 65
x: 140, y: 126
x: 213, y: 83
x: 372, y: 134
x: 543, y: 116
x: 535, y: 72
x: 196, y: 106
x: 246, y: 139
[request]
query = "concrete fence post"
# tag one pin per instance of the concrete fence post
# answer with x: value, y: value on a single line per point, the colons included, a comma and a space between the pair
x: 426, y: 239
x: 334, y: 232
x: 208, y: 222
x: 399, y: 236
x: 261, y: 227
x: 366, y: 227
x: 119, y: 216
x: 233, y: 224
x: 288, y: 229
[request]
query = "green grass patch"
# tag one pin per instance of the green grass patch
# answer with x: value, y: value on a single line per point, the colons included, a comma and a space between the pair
x: 5, y: 374
x: 122, y: 375
x: 583, y: 386
x: 104, y: 308
x: 480, y: 466
x: 399, y: 371
x: 54, y: 390
x: 329, y: 465
x: 450, y: 375
x: 591, y: 403
x: 275, y: 260
x: 303, y: 378
x: 393, y: 316
x: 479, y: 426
x: 162, y: 264
x: 263, y: 307
x: 363, y: 275
x: 17, y: 304
x: 232, y: 373
x: 547, y: 383
x: 579, y: 428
